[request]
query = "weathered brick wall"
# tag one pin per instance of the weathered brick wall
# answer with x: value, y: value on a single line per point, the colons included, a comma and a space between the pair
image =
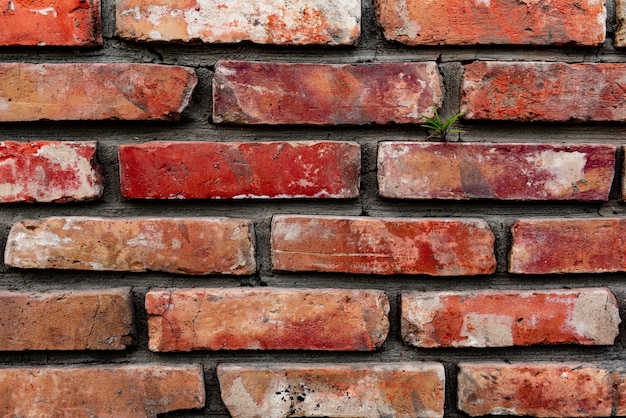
x: 229, y: 208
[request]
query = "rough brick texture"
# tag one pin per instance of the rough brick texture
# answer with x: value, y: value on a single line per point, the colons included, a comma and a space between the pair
x: 74, y: 23
x: 507, y: 318
x: 543, y: 91
x: 581, y: 245
x: 66, y: 320
x: 368, y: 390
x: 196, y: 170
x: 76, y: 91
x: 266, y: 319
x: 299, y: 22
x: 509, y: 22
x: 438, y: 247
x: 176, y: 245
x: 44, y: 171
x: 100, y: 391
x: 423, y: 170
x: 324, y: 94
x: 620, y: 32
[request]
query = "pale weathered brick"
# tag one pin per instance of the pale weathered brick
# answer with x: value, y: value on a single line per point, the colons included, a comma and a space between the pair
x: 66, y: 320
x: 74, y: 23
x: 100, y: 391
x: 501, y: 318
x: 620, y: 17
x: 427, y: 170
x: 81, y: 91
x: 266, y: 319
x: 176, y: 245
x: 291, y: 22
x: 543, y: 91
x: 367, y: 390
x: 459, y: 22
x: 578, y: 245
x: 324, y: 94
x: 198, y: 170
x: 439, y: 247
x: 45, y: 171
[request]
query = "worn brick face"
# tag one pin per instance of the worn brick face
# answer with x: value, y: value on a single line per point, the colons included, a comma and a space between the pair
x: 580, y: 245
x: 543, y: 91
x: 135, y: 391
x: 176, y: 245
x: 438, y: 247
x: 266, y: 319
x: 44, y: 171
x: 299, y: 22
x: 426, y: 170
x: 368, y: 390
x: 74, y: 23
x: 508, y: 318
x: 80, y: 91
x: 324, y: 94
x: 458, y: 22
x: 620, y: 15
x: 197, y: 170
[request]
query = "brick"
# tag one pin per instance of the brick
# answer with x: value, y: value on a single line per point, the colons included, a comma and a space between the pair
x: 543, y: 91
x: 538, y: 389
x: 579, y: 245
x: 100, y: 391
x: 80, y: 91
x: 427, y: 170
x: 66, y: 320
x: 266, y: 319
x: 438, y: 247
x: 74, y: 23
x: 620, y: 17
x: 175, y: 245
x: 367, y: 390
x: 502, y: 318
x: 45, y: 171
x: 509, y: 22
x: 299, y: 22
x: 217, y: 170
x: 324, y: 94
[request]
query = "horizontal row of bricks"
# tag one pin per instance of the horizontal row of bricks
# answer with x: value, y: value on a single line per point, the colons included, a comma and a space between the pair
x: 368, y: 390
x: 312, y: 94
x: 328, y: 22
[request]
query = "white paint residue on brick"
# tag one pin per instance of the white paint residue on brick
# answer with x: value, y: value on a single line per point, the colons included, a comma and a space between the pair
x: 4, y: 104
x: 147, y: 239
x: 487, y: 330
x: 565, y: 169
x: 424, y: 310
x: 156, y: 13
x: 45, y: 11
x: 595, y: 316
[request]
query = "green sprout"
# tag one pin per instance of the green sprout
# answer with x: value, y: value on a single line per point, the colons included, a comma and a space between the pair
x: 440, y: 129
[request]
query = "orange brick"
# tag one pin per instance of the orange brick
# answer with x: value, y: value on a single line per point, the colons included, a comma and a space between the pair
x: 176, y: 245
x: 439, y: 247
x: 324, y: 94
x: 266, y: 319
x: 103, y: 391
x: 81, y: 91
x: 368, y: 390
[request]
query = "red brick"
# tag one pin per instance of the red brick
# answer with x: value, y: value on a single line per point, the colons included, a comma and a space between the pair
x: 199, y: 170
x: 74, y: 23
x: 66, y: 320
x: 580, y: 245
x: 81, y: 91
x: 426, y: 170
x: 368, y: 390
x: 175, y: 245
x: 44, y: 171
x: 299, y: 22
x: 536, y: 389
x: 324, y: 94
x: 266, y: 319
x: 100, y: 391
x: 543, y: 91
x: 438, y: 247
x: 458, y: 22
x: 502, y: 318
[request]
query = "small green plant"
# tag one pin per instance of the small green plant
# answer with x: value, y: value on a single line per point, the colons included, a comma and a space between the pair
x: 440, y: 129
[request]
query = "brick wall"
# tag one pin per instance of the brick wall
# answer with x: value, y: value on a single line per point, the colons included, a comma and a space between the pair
x: 230, y: 209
